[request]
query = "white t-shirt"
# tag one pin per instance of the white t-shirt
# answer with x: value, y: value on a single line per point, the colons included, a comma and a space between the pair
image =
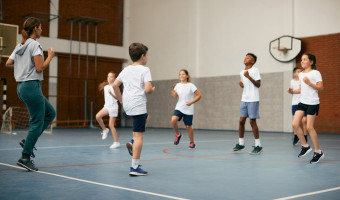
x: 250, y: 91
x: 309, y: 95
x: 296, y: 97
x: 134, y: 79
x: 185, y: 92
x: 110, y: 101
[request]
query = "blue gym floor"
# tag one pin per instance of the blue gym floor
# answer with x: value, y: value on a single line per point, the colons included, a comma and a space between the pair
x: 78, y: 164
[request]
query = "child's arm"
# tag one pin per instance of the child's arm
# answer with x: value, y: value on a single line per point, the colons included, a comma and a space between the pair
x: 115, y: 86
x: 114, y: 96
x: 149, y: 88
x: 10, y: 63
x: 197, y: 98
x: 256, y: 83
x: 173, y: 92
x: 241, y: 84
x: 318, y: 86
x: 291, y: 91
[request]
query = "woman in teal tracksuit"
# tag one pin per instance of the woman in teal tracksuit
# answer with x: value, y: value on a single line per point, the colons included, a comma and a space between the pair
x: 29, y: 64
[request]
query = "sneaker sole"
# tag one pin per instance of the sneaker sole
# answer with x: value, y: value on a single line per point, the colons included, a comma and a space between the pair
x: 318, y: 160
x: 251, y: 153
x: 191, y: 148
x: 137, y: 174
x: 238, y: 150
x: 24, y: 166
x: 309, y: 150
x: 129, y: 148
x: 114, y: 147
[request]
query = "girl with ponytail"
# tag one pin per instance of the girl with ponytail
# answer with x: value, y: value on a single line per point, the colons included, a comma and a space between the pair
x: 310, y: 84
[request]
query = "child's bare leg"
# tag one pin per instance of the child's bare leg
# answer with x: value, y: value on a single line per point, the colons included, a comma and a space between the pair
x: 102, y: 113
x: 174, y: 123
x: 190, y: 133
x: 113, y: 129
x: 312, y: 133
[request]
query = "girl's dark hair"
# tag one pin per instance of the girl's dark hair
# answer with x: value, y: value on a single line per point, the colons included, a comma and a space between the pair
x: 105, y: 82
x: 187, y: 73
x: 28, y: 28
x: 311, y: 57
x: 136, y: 50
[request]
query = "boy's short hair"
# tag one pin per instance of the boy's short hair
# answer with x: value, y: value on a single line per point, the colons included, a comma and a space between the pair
x: 296, y: 68
x: 136, y: 50
x: 252, y: 55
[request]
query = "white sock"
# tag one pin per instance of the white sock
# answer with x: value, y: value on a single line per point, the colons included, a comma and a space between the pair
x: 241, y: 141
x: 135, y: 163
x: 306, y: 145
x: 257, y: 143
x: 319, y: 151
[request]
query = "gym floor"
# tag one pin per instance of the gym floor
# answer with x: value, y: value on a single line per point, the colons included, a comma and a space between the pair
x: 78, y: 164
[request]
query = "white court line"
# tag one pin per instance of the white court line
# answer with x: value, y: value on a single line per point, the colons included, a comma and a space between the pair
x: 102, y: 184
x: 103, y: 145
x: 308, y: 194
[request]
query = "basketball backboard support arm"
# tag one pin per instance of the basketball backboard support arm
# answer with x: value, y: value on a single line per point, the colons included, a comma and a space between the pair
x: 40, y: 16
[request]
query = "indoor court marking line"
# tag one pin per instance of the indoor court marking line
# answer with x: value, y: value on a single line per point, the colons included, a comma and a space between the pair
x: 103, y: 184
x: 103, y: 145
x: 156, y: 159
x: 309, y: 194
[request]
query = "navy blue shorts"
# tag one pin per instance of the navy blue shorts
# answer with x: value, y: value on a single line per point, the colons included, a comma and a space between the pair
x: 187, y: 119
x: 309, y: 109
x: 294, y: 107
x: 139, y: 122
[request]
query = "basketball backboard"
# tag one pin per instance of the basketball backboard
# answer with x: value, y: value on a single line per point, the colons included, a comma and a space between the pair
x: 285, y: 48
x: 8, y: 38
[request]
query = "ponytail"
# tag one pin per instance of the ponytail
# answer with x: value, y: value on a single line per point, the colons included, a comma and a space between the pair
x: 102, y: 85
x: 28, y: 28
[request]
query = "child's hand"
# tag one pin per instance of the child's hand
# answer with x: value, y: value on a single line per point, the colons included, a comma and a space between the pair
x: 306, y: 80
x: 174, y: 85
x: 240, y: 83
x: 188, y: 103
x: 246, y: 74
x: 290, y: 90
x: 153, y: 89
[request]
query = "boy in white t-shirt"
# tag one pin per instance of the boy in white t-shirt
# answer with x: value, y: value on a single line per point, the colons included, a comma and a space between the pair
x: 187, y: 94
x: 310, y: 84
x: 136, y: 79
x: 294, y: 85
x: 249, y: 107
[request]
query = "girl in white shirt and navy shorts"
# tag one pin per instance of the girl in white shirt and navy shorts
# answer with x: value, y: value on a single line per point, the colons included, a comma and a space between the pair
x: 187, y: 94
x: 310, y: 83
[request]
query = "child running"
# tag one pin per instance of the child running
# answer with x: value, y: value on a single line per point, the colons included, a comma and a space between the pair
x: 294, y: 85
x: 250, y: 102
x: 310, y: 84
x: 136, y: 79
x: 187, y: 94
x: 110, y: 108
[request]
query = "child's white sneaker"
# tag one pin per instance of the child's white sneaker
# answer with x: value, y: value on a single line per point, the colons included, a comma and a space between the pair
x: 104, y: 133
x: 115, y: 145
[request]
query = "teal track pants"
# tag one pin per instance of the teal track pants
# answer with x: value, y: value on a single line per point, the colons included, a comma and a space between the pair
x: 41, y: 113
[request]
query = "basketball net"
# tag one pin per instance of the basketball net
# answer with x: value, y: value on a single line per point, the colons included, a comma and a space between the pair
x: 16, y: 120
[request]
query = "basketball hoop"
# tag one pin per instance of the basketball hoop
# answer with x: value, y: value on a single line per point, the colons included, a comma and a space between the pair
x: 285, y: 48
